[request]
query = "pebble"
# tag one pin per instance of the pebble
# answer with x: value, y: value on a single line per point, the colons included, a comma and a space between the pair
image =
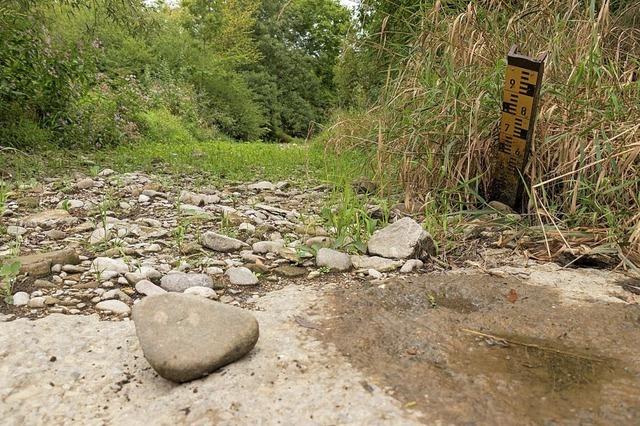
x: 214, y: 270
x: 221, y: 243
x: 333, y: 259
x: 56, y: 234
x: 36, y: 302
x: 375, y: 274
x: 202, y: 292
x: 115, y: 306
x: 16, y: 231
x: 180, y: 281
x: 148, y: 288
x: 241, y: 276
x: 20, y: 298
x: 411, y: 265
x: 105, y: 264
x: 263, y: 247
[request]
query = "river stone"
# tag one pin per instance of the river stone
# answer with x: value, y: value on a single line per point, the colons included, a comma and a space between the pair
x: 290, y: 271
x: 200, y: 200
x: 333, y: 259
x: 39, y: 265
x: 85, y: 183
x: 112, y: 305
x: 262, y: 186
x: 264, y: 247
x: 411, y: 265
x: 401, y: 240
x: 241, y: 276
x: 70, y: 204
x: 375, y: 262
x: 186, y: 337
x: 180, y: 281
x: 20, y: 298
x: 56, y: 234
x: 16, y: 230
x: 148, y: 288
x: 221, y: 243
x: 202, y: 292
x: 102, y: 264
x: 49, y: 218
x: 319, y: 242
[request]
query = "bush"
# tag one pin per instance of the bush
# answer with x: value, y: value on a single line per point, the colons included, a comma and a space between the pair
x: 25, y: 133
x: 105, y: 116
x: 159, y: 125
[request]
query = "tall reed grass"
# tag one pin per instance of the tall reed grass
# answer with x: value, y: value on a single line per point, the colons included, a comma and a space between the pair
x: 433, y: 129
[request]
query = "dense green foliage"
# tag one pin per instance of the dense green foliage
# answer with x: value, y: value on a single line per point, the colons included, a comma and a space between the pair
x: 97, y: 73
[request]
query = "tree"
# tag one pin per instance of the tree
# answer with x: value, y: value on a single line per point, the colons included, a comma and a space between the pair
x: 224, y: 26
x: 299, y: 42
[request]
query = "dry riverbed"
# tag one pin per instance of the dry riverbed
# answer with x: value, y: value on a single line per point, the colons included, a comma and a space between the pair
x: 509, y: 342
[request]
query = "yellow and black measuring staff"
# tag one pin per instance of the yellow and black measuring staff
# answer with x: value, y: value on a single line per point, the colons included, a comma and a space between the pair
x: 519, y: 109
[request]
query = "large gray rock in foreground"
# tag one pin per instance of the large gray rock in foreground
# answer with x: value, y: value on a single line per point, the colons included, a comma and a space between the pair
x: 401, y: 240
x: 185, y: 337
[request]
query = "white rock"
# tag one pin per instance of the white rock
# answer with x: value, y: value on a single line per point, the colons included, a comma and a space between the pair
x: 115, y: 306
x: 179, y: 281
x: 106, y: 172
x: 150, y: 273
x: 375, y: 274
x: 214, y: 270
x: 143, y: 198
x: 241, y: 276
x: 16, y: 231
x: 71, y: 204
x: 108, y: 275
x: 102, y: 264
x: 207, y: 292
x: 73, y: 269
x: 401, y: 240
x: 20, y: 298
x: 153, y: 248
x: 375, y: 262
x: 100, y: 235
x: 262, y: 186
x: 314, y: 274
x: 263, y: 247
x: 333, y: 259
x: 190, y: 209
x: 247, y: 227
x: 411, y: 265
x: 134, y: 277
x: 148, y: 288
x: 116, y: 294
